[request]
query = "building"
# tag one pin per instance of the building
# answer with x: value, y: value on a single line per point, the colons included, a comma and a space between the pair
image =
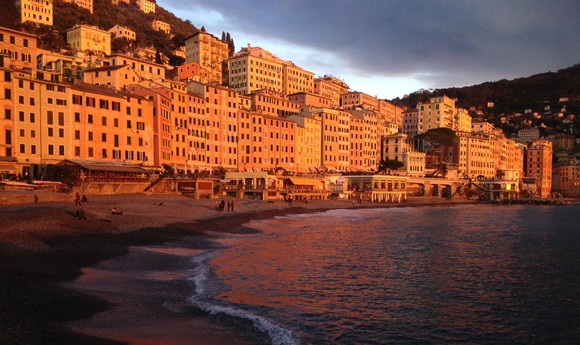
x: 481, y: 127
x: 569, y: 180
x: 161, y: 26
x: 410, y: 122
x: 273, y: 103
x: 527, y: 135
x: 358, y: 99
x: 254, y: 68
x: 539, y: 166
x: 438, y: 112
x: 190, y: 71
x: 463, y: 121
x: 116, y: 77
x: 209, y: 52
x: 473, y: 155
x: 331, y: 88
x: 119, y: 31
x: 19, y: 48
x: 399, y: 147
x: 308, y: 142
x: 86, y: 4
x: 36, y: 11
x: 146, y: 68
x: 146, y: 6
x: 89, y: 38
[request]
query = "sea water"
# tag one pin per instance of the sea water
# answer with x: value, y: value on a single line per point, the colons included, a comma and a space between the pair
x: 469, y: 274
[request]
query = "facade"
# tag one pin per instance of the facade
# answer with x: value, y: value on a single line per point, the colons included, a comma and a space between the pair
x: 36, y: 11
x: 209, y: 52
x: 378, y: 188
x: 191, y: 71
x: 19, y: 48
x: 311, y: 100
x: 331, y: 88
x: 146, y: 6
x: 161, y: 26
x: 527, y: 135
x: 86, y: 4
x: 89, y: 38
x: 399, y: 147
x: 146, y: 68
x: 473, y: 155
x: 410, y: 122
x: 117, y: 77
x: 254, y: 68
x: 273, y: 104
x: 119, y: 31
x: 438, y: 112
x: 308, y: 151
x: 569, y: 180
x: 463, y: 121
x: 539, y: 166
x: 481, y: 127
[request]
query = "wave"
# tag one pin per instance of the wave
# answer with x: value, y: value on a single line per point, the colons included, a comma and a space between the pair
x: 203, y: 299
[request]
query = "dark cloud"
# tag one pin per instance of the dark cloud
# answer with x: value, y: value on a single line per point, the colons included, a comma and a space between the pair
x: 444, y: 43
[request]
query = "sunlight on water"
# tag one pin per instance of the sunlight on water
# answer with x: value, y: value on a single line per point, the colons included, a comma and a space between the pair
x: 467, y: 274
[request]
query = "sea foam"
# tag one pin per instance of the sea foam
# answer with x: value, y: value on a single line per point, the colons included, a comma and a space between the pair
x: 203, y: 299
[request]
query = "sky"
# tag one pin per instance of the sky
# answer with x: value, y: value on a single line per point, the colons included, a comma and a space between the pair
x: 390, y: 48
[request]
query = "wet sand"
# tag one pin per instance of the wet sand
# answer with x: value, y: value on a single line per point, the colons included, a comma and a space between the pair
x: 63, y: 282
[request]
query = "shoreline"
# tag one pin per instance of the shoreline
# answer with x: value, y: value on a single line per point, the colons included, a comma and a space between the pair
x: 44, y: 249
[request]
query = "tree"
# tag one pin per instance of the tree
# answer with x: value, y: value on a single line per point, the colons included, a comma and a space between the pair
x: 390, y: 164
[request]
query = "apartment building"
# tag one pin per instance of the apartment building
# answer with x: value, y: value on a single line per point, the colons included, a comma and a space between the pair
x: 439, y: 112
x: 89, y: 38
x: 390, y: 112
x: 539, y: 165
x: 86, y: 4
x: 111, y: 125
x: 209, y: 52
x: 308, y: 140
x: 330, y: 88
x: 119, y: 31
x: 273, y: 103
x: 222, y: 119
x: 147, y: 69
x: 463, y: 121
x: 370, y: 141
x: 36, y: 11
x: 473, y: 155
x: 254, y: 68
x: 410, y: 120
x: 335, y: 139
x: 311, y: 100
x: 8, y: 112
x: 19, y: 48
x: 527, y: 135
x: 400, y: 147
x: 116, y: 77
x: 190, y: 71
x: 279, y: 143
x: 359, y: 99
x: 481, y: 127
x: 569, y: 180
x: 159, y: 25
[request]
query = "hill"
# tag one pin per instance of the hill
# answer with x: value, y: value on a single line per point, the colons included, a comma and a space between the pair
x: 510, y: 96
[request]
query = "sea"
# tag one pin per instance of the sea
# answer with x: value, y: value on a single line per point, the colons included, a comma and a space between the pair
x: 465, y: 274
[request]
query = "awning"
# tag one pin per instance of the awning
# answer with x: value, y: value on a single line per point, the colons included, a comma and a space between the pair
x: 297, y: 181
x: 106, y: 166
x: 8, y: 168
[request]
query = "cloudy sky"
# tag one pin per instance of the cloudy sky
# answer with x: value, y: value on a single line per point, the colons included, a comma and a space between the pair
x: 389, y: 48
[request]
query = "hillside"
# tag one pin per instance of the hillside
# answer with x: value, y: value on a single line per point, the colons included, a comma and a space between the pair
x: 511, y: 96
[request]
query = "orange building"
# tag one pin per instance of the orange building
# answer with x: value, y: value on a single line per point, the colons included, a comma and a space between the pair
x: 209, y: 52
x: 273, y: 103
x: 539, y: 165
x: 21, y: 48
x: 331, y: 88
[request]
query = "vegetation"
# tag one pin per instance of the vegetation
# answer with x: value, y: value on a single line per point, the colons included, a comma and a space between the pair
x: 390, y: 164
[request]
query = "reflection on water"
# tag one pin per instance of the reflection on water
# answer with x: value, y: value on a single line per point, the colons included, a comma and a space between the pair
x: 466, y: 274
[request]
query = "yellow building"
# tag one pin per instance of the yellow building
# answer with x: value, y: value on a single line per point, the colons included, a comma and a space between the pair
x: 20, y: 48
x: 119, y: 31
x: 539, y: 165
x: 146, y: 69
x: 254, y: 68
x: 146, y: 6
x: 161, y: 26
x: 390, y: 112
x: 36, y: 11
x: 116, y: 77
x: 357, y: 144
x: 370, y: 141
x: 359, y: 99
x: 463, y: 121
x: 399, y: 147
x: 410, y: 122
x: 438, y: 112
x: 208, y: 51
x: 473, y: 155
x: 89, y: 38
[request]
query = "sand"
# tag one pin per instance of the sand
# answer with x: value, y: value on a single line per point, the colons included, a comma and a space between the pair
x: 59, y: 281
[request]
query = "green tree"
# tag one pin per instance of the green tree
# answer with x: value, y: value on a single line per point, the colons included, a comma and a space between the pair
x: 390, y: 164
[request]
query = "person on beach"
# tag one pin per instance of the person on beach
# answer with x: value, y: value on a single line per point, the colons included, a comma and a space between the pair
x: 77, y: 199
x: 222, y: 205
x: 232, y: 205
x: 80, y: 214
x: 116, y: 212
x: 229, y: 206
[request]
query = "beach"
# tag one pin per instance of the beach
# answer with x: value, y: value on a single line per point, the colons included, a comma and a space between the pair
x: 53, y: 264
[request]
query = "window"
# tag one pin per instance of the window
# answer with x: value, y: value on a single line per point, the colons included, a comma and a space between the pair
x: 22, y: 148
x: 7, y: 94
x: 49, y: 117
x: 51, y: 149
x: 104, y: 121
x: 90, y: 118
x: 61, y: 150
x: 77, y: 134
x: 7, y: 114
x: 104, y: 137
